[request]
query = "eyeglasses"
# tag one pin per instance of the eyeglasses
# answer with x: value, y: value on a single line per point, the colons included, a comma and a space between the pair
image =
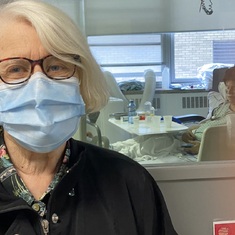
x: 18, y: 70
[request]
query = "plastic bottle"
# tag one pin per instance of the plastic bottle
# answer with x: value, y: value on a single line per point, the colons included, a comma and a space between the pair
x: 152, y: 111
x: 147, y: 108
x: 131, y: 111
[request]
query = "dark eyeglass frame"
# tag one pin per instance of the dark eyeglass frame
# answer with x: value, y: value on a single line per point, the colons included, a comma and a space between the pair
x: 39, y: 62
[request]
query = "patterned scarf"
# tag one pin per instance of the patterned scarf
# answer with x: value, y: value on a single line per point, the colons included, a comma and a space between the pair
x: 13, y: 184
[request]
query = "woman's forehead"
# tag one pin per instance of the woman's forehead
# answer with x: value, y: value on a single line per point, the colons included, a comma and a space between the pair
x: 20, y: 39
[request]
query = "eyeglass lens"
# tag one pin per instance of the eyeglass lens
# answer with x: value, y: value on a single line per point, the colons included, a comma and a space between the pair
x: 18, y: 70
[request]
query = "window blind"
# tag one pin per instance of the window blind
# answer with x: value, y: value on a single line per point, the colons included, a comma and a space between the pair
x: 106, y: 17
x: 224, y: 51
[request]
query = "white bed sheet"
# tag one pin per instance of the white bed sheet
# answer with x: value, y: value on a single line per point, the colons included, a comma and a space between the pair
x: 176, y: 158
x: 157, y: 149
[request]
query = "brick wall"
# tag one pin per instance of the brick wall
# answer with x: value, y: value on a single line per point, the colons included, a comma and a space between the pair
x: 194, y: 49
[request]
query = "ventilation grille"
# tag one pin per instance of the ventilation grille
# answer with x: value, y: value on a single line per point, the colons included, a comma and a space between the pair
x: 155, y: 102
x: 194, y: 102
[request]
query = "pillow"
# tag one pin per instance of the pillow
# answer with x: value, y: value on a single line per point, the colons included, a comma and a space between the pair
x: 216, y: 98
x: 222, y: 90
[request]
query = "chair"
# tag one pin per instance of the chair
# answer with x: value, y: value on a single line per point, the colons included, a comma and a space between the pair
x: 114, y: 89
x: 217, y: 77
x: 148, y: 93
x: 98, y: 139
x: 188, y: 118
x: 82, y: 133
x: 216, y: 145
x: 149, y: 89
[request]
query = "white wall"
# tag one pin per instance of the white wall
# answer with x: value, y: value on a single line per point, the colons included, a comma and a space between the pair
x: 197, y: 194
x: 171, y: 103
x: 74, y: 8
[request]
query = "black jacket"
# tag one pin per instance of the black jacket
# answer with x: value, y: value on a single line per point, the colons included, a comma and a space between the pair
x: 104, y: 193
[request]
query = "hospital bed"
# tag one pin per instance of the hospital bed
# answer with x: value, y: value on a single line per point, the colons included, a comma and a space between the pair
x: 215, y: 98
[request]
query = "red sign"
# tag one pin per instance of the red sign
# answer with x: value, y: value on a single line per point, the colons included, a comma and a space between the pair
x: 224, y: 227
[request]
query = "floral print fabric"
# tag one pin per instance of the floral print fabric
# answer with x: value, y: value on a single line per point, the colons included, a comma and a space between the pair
x: 13, y: 184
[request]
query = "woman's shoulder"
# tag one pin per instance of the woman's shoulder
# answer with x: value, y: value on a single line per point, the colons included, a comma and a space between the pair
x: 119, y: 178
x: 221, y: 110
x: 106, y: 159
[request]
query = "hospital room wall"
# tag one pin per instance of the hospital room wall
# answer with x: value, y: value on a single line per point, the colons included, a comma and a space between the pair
x: 197, y: 194
x: 177, y: 103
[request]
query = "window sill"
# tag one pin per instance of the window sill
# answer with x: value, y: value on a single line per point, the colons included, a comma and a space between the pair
x: 164, y: 91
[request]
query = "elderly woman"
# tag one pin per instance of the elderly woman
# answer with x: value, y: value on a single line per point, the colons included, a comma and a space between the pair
x: 50, y: 183
x: 218, y: 116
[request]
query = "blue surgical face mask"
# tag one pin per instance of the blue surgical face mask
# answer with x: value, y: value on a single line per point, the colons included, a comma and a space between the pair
x: 42, y: 114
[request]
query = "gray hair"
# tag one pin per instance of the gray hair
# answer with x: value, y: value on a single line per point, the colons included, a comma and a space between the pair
x: 60, y: 36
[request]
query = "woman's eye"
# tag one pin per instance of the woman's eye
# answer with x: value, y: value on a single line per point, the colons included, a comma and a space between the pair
x: 15, y: 70
x: 55, y: 68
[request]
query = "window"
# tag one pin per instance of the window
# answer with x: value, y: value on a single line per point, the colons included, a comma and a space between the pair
x: 184, y: 53
x: 128, y: 56
x: 224, y: 51
x: 192, y: 50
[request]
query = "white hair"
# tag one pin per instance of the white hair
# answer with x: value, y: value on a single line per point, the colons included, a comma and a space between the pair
x: 60, y: 36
